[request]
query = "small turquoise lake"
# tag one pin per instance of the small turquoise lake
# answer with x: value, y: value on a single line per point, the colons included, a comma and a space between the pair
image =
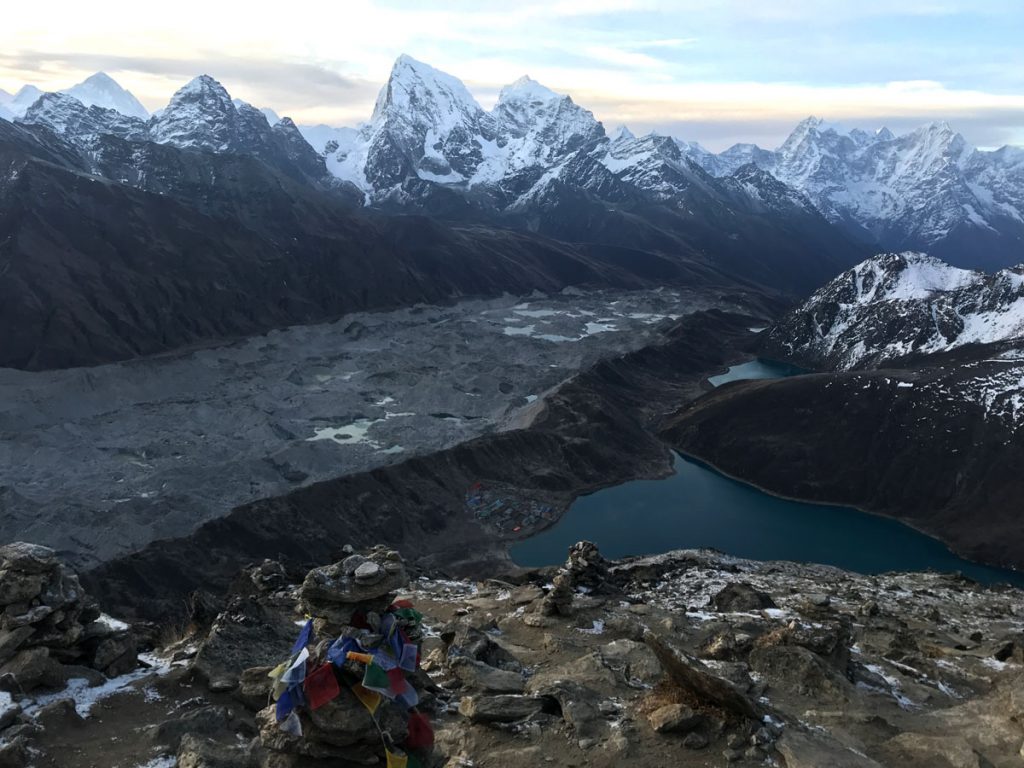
x: 698, y: 507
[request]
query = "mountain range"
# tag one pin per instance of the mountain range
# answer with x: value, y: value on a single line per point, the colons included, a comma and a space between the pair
x: 927, y: 189
x: 123, y: 236
x: 429, y: 146
x: 623, y: 209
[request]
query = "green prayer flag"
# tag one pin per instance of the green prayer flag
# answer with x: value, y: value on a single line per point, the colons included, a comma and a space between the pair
x: 375, y: 677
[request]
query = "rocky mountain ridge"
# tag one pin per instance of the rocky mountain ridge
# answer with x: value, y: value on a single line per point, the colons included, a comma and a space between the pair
x: 927, y: 189
x: 899, y: 304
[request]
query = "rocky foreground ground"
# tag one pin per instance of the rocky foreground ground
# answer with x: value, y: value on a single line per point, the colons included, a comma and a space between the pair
x: 691, y: 658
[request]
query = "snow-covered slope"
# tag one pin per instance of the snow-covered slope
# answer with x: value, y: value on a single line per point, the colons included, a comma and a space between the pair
x: 896, y: 304
x: 81, y: 125
x: 536, y: 129
x: 657, y: 165
x: 101, y: 90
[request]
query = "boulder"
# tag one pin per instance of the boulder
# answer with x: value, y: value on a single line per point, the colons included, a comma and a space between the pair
x: 115, y: 654
x: 915, y: 750
x: 254, y: 687
x: 14, y: 753
x: 675, y: 718
x: 463, y: 639
x: 815, y: 750
x: 690, y: 674
x: 27, y: 558
x: 482, y: 677
x: 634, y: 661
x: 581, y: 710
x: 17, y: 586
x: 268, y: 576
x: 9, y: 710
x: 740, y: 597
x: 205, y: 722
x: 500, y: 709
x: 12, y: 640
x: 201, y: 752
x: 29, y: 669
x: 795, y: 669
x: 59, y: 715
x: 246, y: 634
x: 23, y: 614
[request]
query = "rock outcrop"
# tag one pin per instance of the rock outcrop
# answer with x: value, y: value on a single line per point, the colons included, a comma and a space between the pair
x: 49, y: 625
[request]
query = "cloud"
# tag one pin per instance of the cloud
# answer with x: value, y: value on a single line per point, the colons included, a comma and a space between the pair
x: 711, y: 70
x: 286, y: 85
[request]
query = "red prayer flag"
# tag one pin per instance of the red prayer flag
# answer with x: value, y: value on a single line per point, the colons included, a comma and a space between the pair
x: 321, y: 686
x: 396, y: 680
x: 421, y: 735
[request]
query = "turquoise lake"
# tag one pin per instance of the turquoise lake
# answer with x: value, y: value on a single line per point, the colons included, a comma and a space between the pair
x: 698, y: 507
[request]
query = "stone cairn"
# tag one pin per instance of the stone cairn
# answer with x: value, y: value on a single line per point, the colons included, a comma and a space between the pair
x: 584, y: 569
x: 50, y: 630
x: 358, y: 589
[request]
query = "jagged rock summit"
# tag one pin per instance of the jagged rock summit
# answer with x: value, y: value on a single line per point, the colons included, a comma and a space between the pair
x: 897, y: 304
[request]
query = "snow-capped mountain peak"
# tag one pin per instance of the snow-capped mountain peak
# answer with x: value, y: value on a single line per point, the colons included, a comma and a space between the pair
x: 26, y: 96
x: 200, y: 115
x: 622, y: 133
x: 526, y: 89
x: 101, y: 90
x: 416, y: 90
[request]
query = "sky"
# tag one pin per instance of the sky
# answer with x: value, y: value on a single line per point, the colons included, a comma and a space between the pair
x: 717, y: 72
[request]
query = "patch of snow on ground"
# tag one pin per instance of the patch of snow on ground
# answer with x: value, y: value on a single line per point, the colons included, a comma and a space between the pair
x: 86, y: 697
x: 168, y: 761
x: 114, y: 624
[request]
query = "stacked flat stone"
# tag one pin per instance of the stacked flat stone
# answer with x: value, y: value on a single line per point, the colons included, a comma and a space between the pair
x: 49, y: 625
x: 342, y: 731
x: 332, y: 594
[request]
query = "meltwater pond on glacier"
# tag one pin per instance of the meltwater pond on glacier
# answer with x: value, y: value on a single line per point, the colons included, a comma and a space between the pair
x: 698, y: 507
